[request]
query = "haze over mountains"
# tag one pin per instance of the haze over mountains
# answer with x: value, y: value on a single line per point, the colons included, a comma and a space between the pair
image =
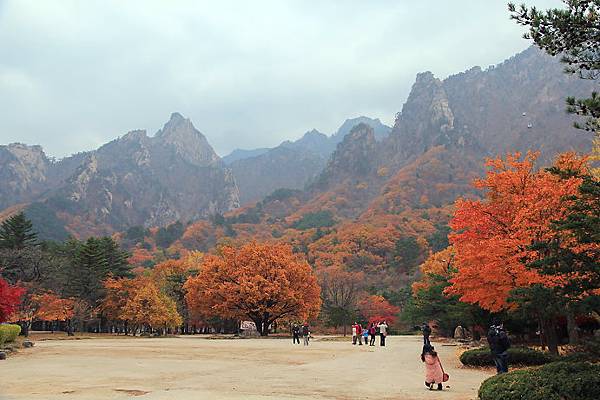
x: 427, y: 159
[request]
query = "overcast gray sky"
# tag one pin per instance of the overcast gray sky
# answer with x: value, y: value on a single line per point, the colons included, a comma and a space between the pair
x: 76, y: 74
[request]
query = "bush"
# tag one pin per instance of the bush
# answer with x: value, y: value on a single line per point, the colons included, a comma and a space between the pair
x: 517, y: 355
x: 8, y: 333
x: 555, y: 381
x: 319, y: 219
x: 580, y: 357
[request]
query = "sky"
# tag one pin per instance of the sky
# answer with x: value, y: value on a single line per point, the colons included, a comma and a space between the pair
x: 77, y: 74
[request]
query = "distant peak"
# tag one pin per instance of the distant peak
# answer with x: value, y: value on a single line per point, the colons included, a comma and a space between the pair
x: 314, y: 132
x: 425, y: 77
x: 176, y: 117
x: 134, y: 135
x: 176, y: 123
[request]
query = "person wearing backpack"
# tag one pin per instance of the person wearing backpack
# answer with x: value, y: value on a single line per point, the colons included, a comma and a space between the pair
x: 499, y: 344
x: 434, y: 372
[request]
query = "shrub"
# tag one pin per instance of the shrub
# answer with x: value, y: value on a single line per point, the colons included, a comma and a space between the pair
x: 8, y: 333
x: 319, y: 219
x: 517, y: 355
x: 555, y: 381
x: 580, y: 357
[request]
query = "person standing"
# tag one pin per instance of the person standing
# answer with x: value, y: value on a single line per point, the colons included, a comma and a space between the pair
x: 354, y: 333
x: 359, y: 333
x: 382, y: 332
x: 372, y: 332
x: 305, y: 333
x: 434, y: 373
x: 365, y: 333
x: 426, y: 329
x: 499, y: 344
x: 296, y: 334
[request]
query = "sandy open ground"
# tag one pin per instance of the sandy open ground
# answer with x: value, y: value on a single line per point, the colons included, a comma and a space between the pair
x: 198, y: 368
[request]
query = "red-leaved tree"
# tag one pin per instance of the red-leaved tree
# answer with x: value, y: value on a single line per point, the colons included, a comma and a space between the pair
x: 10, y: 298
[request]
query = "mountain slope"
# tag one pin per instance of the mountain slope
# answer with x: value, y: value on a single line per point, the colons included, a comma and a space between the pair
x: 133, y: 180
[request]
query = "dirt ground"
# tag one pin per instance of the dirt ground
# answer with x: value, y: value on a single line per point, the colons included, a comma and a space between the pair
x: 199, y: 368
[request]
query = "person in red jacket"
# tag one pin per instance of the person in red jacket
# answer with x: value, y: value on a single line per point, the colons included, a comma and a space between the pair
x: 358, y: 329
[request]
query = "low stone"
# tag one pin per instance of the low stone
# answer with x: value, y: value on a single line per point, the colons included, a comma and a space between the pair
x: 2, y: 355
x: 27, y: 344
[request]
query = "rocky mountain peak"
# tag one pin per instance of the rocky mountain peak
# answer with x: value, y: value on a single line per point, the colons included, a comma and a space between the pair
x: 190, y: 143
x: 135, y: 135
x: 353, y: 157
x: 23, y: 172
x: 379, y: 128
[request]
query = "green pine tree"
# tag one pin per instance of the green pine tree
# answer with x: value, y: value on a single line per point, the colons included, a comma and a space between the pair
x: 579, y: 270
x: 116, y: 258
x: 17, y: 233
x: 87, y: 271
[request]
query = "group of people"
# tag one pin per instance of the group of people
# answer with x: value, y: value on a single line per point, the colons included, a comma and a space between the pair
x: 435, y: 375
x: 303, y: 331
x: 498, y: 341
x: 373, y: 330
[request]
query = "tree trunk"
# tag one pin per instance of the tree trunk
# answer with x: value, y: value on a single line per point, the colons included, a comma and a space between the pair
x: 572, y: 327
x: 550, y: 334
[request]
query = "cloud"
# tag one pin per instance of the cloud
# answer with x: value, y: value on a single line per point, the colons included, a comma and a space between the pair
x: 249, y: 74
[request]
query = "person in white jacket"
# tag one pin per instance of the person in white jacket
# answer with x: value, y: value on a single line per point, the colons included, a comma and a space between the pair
x: 382, y: 332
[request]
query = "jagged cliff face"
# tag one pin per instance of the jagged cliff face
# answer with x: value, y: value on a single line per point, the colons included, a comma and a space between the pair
x: 353, y: 158
x: 518, y: 105
x: 437, y: 146
x: 448, y: 127
x: 23, y: 173
x: 134, y: 180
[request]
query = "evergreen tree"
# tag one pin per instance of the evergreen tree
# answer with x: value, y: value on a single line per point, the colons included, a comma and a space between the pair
x: 87, y: 271
x: 116, y: 258
x: 574, y: 33
x: 573, y: 253
x: 21, y: 259
x: 17, y: 233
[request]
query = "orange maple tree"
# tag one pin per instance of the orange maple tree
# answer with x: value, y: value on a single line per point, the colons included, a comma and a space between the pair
x: 52, y: 307
x: 493, y: 236
x: 140, y: 303
x: 376, y: 308
x: 260, y: 282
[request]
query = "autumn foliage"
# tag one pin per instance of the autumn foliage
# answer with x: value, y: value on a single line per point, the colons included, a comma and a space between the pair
x: 51, y: 307
x: 259, y: 282
x: 493, y: 237
x: 376, y: 308
x: 10, y: 298
x: 140, y: 303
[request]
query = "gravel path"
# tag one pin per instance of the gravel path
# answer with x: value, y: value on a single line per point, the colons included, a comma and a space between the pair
x: 197, y: 368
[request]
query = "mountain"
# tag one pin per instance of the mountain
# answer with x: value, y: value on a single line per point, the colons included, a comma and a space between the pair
x: 258, y: 172
x: 357, y: 177
x: 240, y: 154
x: 518, y: 105
x: 380, y: 130
x: 134, y: 180
x: 23, y: 171
x: 290, y: 165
